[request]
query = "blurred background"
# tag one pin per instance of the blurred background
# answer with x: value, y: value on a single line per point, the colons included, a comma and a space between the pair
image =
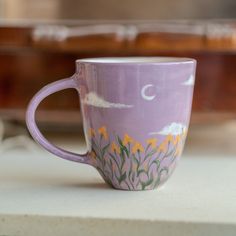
x: 113, y: 9
x: 40, y: 41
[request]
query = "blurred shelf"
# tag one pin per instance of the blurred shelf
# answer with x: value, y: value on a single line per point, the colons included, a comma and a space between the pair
x: 36, y: 53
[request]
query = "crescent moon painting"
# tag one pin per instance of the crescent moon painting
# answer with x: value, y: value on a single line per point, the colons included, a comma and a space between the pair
x: 144, y: 94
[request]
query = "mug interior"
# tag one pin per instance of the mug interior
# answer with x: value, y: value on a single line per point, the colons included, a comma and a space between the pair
x: 136, y: 60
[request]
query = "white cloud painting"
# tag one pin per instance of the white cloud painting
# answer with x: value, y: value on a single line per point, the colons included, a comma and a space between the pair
x: 93, y: 99
x: 173, y: 129
x: 189, y: 81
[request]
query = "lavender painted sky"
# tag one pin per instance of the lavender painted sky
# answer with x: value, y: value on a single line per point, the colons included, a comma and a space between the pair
x: 142, y: 100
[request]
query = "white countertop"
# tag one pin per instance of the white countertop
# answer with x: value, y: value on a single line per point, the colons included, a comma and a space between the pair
x: 43, y: 195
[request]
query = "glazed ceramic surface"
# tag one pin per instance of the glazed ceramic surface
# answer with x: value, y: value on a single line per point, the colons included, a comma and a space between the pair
x: 136, y: 114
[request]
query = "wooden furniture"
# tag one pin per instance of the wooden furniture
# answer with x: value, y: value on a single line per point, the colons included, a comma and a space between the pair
x: 32, y: 55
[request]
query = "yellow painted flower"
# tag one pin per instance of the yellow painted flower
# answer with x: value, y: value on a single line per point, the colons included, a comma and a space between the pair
x: 115, y: 148
x: 152, y: 142
x: 162, y: 147
x: 127, y: 139
x: 137, y: 148
x: 91, y: 132
x: 177, y: 139
x: 103, y: 131
x: 169, y: 138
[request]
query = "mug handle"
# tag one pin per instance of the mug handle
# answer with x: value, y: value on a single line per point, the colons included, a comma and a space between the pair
x: 35, y: 132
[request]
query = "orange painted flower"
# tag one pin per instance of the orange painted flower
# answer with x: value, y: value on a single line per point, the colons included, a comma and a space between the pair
x: 127, y: 139
x: 115, y: 148
x: 162, y: 147
x: 92, y: 132
x: 103, y: 132
x: 93, y: 155
x: 137, y: 148
x: 152, y: 142
x: 93, y: 158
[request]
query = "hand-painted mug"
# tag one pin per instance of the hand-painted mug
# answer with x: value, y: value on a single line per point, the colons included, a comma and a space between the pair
x: 135, y: 112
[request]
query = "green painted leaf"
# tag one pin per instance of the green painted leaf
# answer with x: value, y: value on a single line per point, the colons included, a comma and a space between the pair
x: 157, y: 162
x: 117, y: 178
x: 122, y: 158
x: 105, y: 148
x: 159, y: 176
x: 126, y: 151
x: 122, y: 152
x: 111, y: 168
x: 150, y: 154
x: 106, y: 173
x: 131, y: 168
x: 137, y: 161
x: 157, y: 182
x: 111, y: 155
x: 119, y: 141
x: 152, y: 177
x: 138, y: 184
x: 95, y: 146
x: 164, y: 169
x: 97, y: 155
x: 148, y: 146
x: 133, y: 177
x: 110, y: 164
x: 122, y: 147
x: 122, y: 177
x: 141, y: 171
x: 145, y: 184
x: 114, y: 159
x: 100, y: 170
x: 127, y: 185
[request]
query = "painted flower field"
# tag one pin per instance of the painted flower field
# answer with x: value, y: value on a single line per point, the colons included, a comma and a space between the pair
x: 128, y: 164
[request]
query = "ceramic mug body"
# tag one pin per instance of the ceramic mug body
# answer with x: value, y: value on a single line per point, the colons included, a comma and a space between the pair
x: 136, y: 114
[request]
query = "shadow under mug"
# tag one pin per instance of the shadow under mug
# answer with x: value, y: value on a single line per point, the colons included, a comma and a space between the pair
x: 136, y: 113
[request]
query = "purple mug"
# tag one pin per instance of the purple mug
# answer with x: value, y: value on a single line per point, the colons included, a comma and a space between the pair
x: 135, y: 112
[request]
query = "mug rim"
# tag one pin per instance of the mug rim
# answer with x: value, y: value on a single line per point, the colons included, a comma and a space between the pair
x: 136, y: 60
